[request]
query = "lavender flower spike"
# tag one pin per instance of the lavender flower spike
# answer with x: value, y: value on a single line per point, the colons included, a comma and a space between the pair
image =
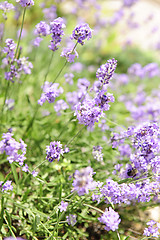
x: 106, y: 71
x: 111, y: 219
x: 54, y: 151
x: 25, y: 3
x: 81, y: 32
x: 83, y: 181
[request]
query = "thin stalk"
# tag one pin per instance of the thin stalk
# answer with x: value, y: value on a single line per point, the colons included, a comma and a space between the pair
x: 13, y: 235
x: 94, y: 208
x: 19, y: 39
x: 118, y: 235
x: 71, y: 140
x: 38, y: 106
x: 5, y: 97
x: 64, y: 64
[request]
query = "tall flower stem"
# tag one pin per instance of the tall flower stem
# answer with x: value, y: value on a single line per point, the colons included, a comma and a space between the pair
x: 64, y: 64
x: 71, y: 140
x: 20, y: 34
x: 30, y: 124
x: 19, y: 39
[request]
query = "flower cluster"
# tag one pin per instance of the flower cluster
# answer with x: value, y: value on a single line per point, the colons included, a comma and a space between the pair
x: 87, y: 113
x: 63, y: 206
x: 54, y: 151
x: 17, y: 66
x: 50, y: 92
x: 106, y: 71
x: 69, y: 54
x: 150, y: 70
x: 129, y: 3
x: 83, y: 181
x: 71, y: 219
x: 128, y: 193
x: 42, y: 29
x: 111, y: 219
x: 97, y: 153
x: 69, y: 78
x: 25, y: 3
x: 152, y: 230
x: 60, y: 106
x: 14, y: 150
x: 56, y: 33
x: 81, y: 33
x: 102, y: 99
x: 6, y: 186
x: 6, y: 7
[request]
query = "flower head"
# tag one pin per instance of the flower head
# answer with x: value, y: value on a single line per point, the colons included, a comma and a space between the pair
x: 71, y: 219
x: 63, y: 206
x: 42, y: 29
x: 106, y: 71
x: 81, y: 33
x: 50, y: 92
x: 25, y: 3
x: 111, y: 219
x: 7, y: 186
x: 56, y: 33
x: 152, y: 230
x: 87, y: 113
x: 54, y: 151
x: 83, y: 181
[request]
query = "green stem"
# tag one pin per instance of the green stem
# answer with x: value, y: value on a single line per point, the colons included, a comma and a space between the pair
x: 5, y: 97
x: 9, y: 227
x: 64, y: 64
x: 118, y: 235
x: 59, y: 72
x: 71, y: 140
x: 95, y: 208
x: 19, y: 39
x: 2, y: 212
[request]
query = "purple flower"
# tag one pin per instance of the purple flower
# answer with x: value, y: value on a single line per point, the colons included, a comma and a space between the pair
x: 69, y: 54
x: 97, y: 153
x: 50, y: 92
x: 77, y: 67
x: 69, y: 78
x: 60, y: 106
x: 16, y: 151
x: 25, y: 3
x: 9, y: 104
x: 12, y: 238
x: 63, y: 206
x: 152, y: 230
x: 111, y: 219
x: 9, y: 49
x: 50, y: 13
x: 82, y: 32
x: 129, y: 3
x: 7, y: 186
x: 34, y: 173
x: 37, y: 41
x: 83, y: 84
x: 83, y: 181
x: 54, y: 151
x: 102, y: 100
x: 6, y: 7
x: 106, y: 71
x: 56, y: 33
x: 42, y: 29
x: 25, y: 168
x: 87, y: 113
x: 71, y: 219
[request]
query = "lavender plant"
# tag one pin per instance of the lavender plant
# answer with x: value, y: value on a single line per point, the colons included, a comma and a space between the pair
x: 75, y: 163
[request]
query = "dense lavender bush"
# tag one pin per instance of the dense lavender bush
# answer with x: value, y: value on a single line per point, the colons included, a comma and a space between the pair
x: 80, y: 138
